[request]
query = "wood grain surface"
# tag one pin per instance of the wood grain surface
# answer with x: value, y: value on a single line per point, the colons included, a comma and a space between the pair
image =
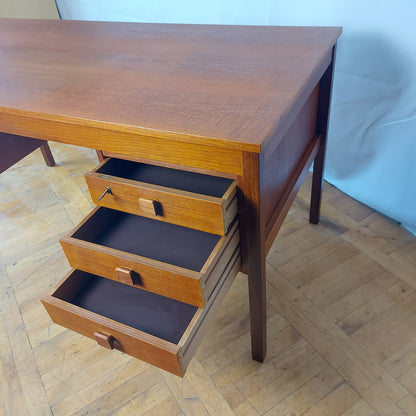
x: 227, y: 86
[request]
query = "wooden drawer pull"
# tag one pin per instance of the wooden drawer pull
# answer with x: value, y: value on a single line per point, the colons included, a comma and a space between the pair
x: 106, y: 341
x: 126, y: 275
x: 149, y: 207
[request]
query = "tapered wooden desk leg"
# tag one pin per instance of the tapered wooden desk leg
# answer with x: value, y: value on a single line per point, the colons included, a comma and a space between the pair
x: 325, y: 89
x: 253, y: 251
x: 257, y: 300
x: 317, y: 178
x: 47, y: 154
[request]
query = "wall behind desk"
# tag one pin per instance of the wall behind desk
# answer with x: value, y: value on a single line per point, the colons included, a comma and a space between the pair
x: 29, y: 9
x: 372, y: 139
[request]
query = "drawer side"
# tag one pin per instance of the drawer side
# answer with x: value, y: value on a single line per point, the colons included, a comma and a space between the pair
x: 197, y: 329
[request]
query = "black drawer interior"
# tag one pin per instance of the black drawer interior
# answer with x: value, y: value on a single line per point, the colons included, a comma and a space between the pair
x: 171, y: 178
x: 169, y: 243
x: 157, y: 315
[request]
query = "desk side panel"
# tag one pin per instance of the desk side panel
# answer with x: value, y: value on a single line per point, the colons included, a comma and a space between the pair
x: 283, y: 167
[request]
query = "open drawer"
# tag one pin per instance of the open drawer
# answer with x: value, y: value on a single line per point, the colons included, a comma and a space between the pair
x: 161, y: 331
x: 173, y: 261
x: 194, y: 200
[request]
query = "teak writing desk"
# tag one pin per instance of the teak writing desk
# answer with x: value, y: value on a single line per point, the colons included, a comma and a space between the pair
x: 245, y: 103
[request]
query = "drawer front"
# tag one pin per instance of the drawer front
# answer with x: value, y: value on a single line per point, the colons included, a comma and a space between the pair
x: 190, y: 209
x: 128, y: 340
x: 183, y: 285
x: 180, y: 283
x: 168, y: 355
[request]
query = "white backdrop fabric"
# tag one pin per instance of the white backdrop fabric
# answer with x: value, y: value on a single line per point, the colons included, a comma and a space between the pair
x: 372, y: 137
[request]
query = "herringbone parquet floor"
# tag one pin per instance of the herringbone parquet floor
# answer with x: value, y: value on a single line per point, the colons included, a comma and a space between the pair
x: 341, y: 317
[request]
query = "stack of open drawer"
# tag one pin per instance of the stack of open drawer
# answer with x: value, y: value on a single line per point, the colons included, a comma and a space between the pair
x: 152, y: 263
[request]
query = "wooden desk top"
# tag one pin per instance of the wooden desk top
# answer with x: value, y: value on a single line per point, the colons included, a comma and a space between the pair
x: 228, y: 86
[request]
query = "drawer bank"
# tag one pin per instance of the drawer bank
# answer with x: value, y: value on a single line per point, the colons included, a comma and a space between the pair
x: 142, y: 282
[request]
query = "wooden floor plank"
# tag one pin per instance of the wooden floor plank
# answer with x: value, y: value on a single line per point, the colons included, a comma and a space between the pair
x: 240, y: 346
x: 13, y: 399
x: 207, y: 391
x: 108, y: 391
x: 168, y: 406
x: 336, y: 403
x: 185, y: 395
x: 351, y: 361
x: 295, y: 353
x: 408, y: 406
x: 408, y: 379
x: 243, y: 376
x: 358, y: 295
x: 19, y: 365
x: 361, y: 272
x: 145, y: 401
x: 370, y: 313
x: 402, y: 360
x: 316, y: 272
x: 292, y: 379
x: 361, y: 408
x: 308, y: 395
x: 245, y: 409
